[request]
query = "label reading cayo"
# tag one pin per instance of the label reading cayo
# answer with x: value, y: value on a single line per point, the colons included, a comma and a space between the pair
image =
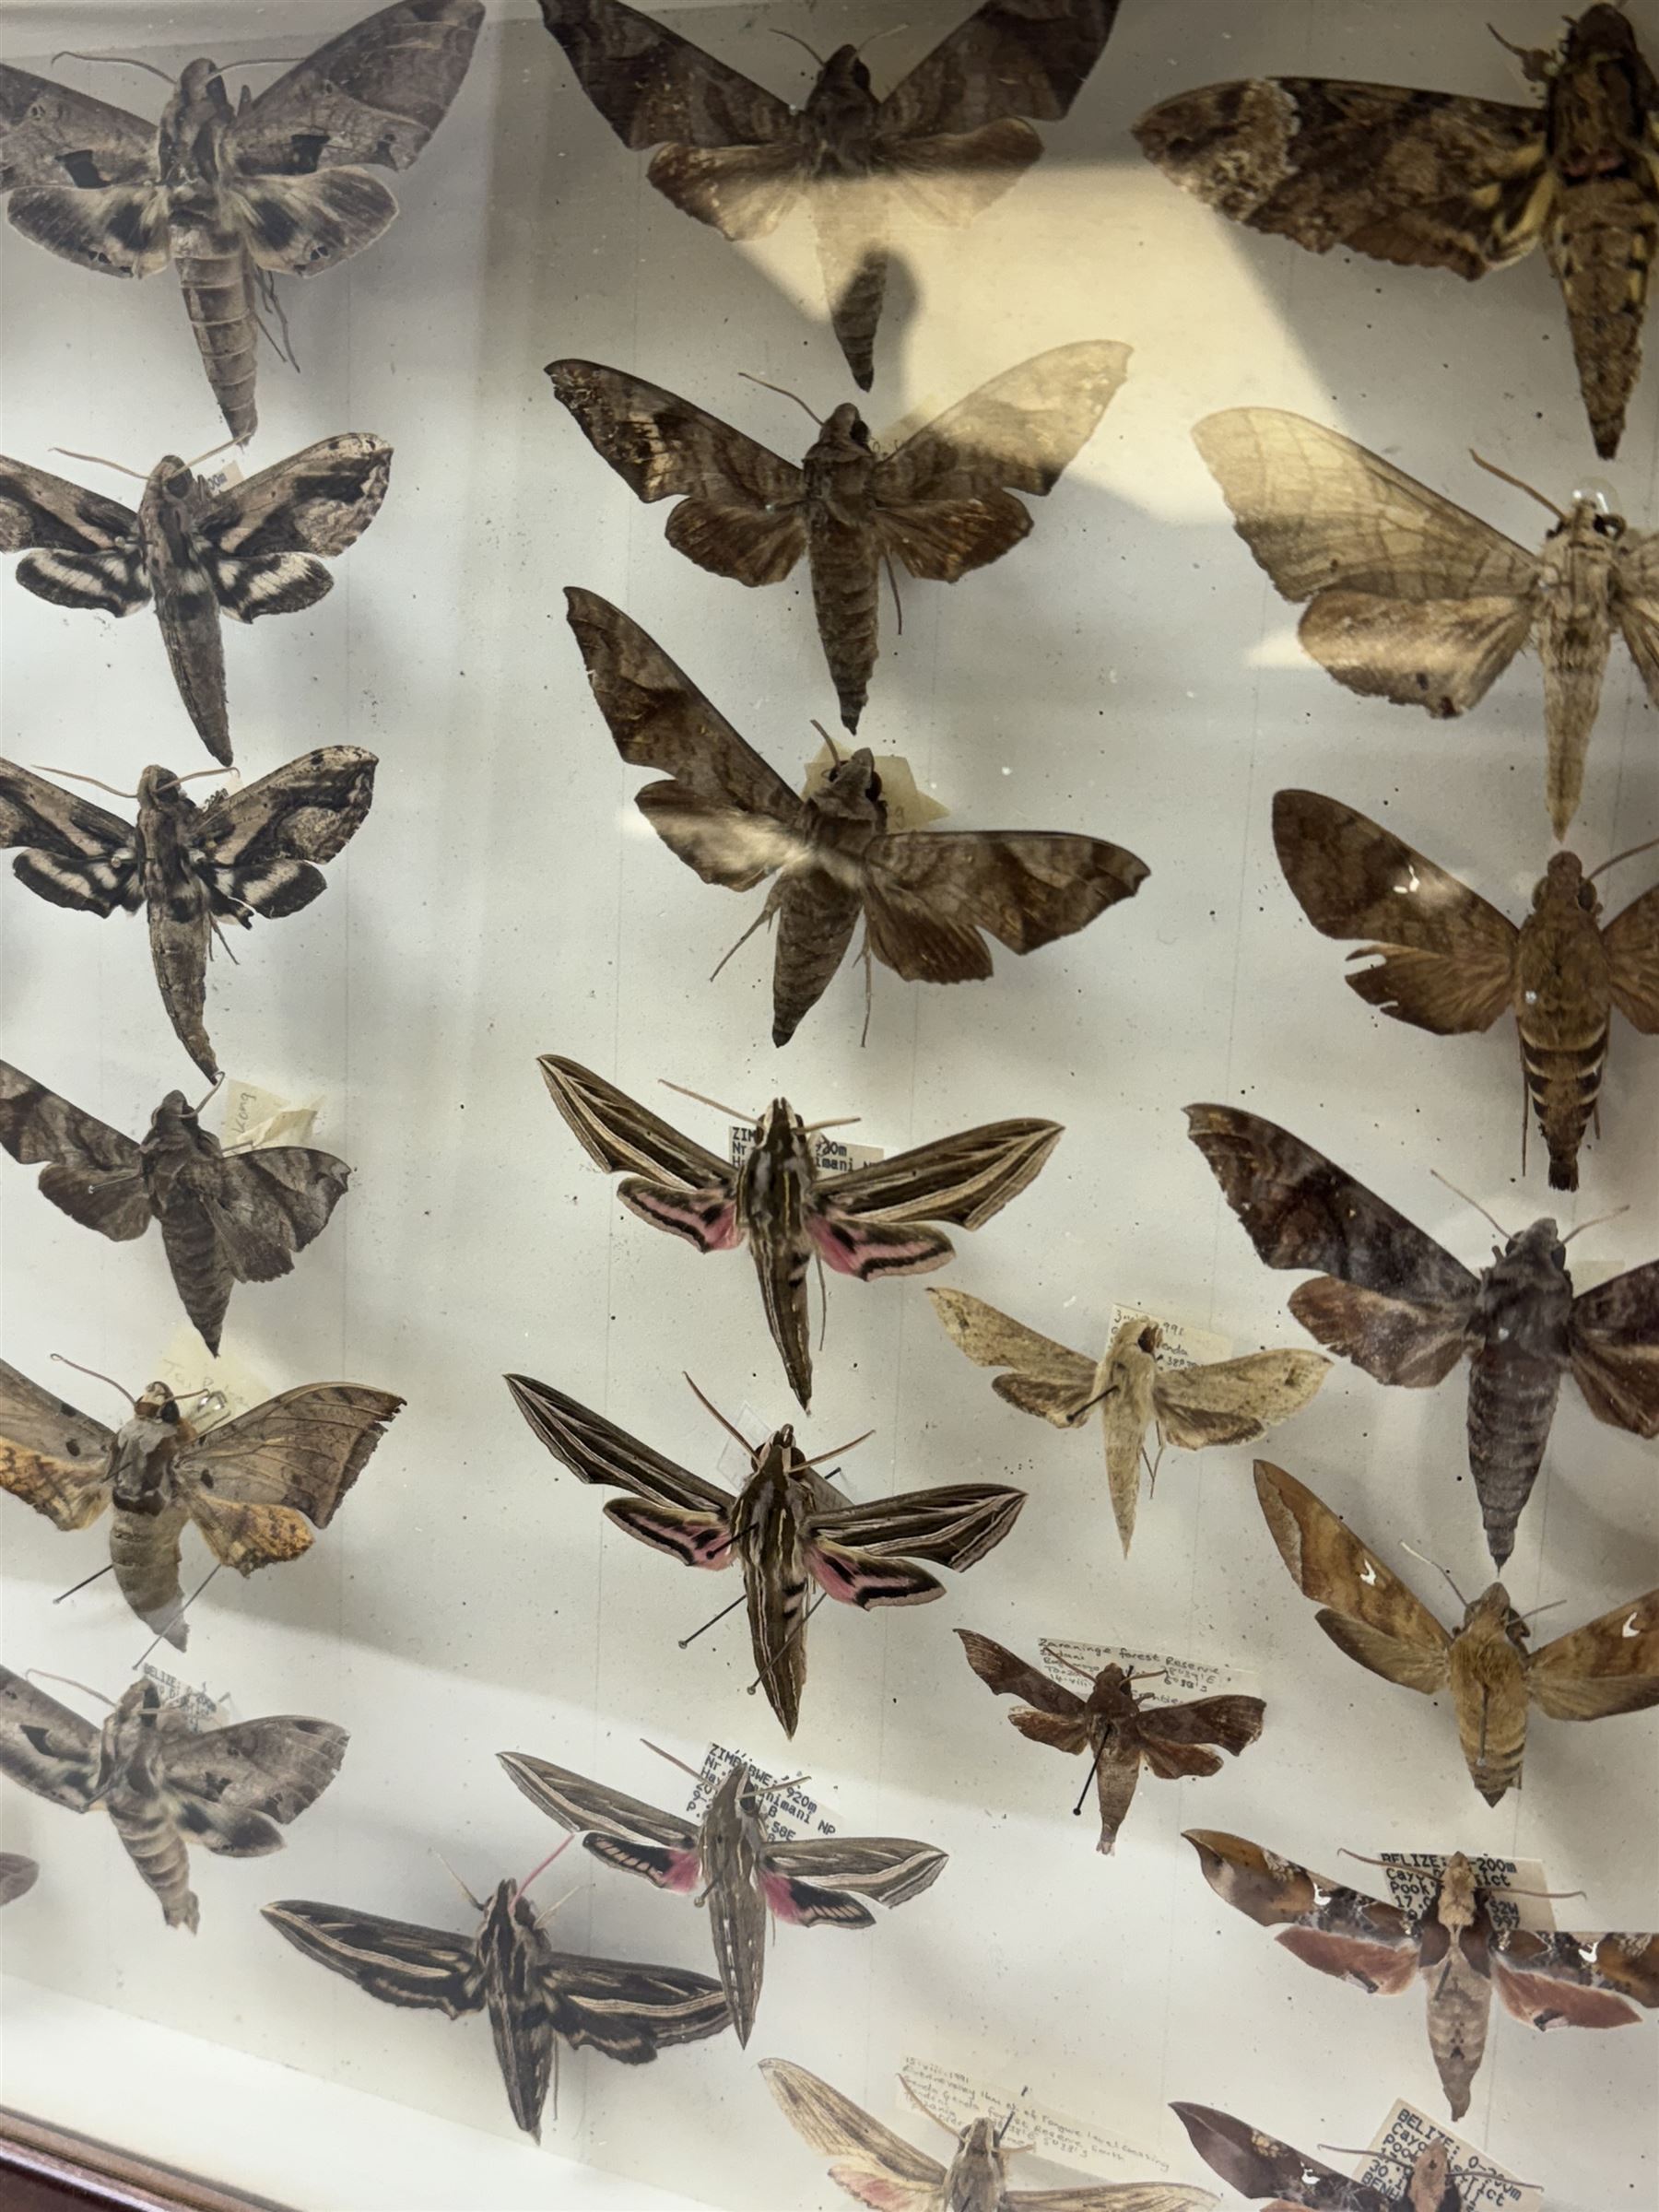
x: 1481, y: 2185
x: 1414, y: 1876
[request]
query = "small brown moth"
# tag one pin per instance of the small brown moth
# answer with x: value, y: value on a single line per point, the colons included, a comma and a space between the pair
x: 941, y: 505
x: 944, y: 145
x: 1397, y: 1304
x: 882, y: 2170
x: 163, y: 1785
x: 924, y: 896
x: 1412, y: 599
x: 1547, y: 1980
x: 869, y: 1222
x: 225, y: 1217
x: 1215, y: 1402
x: 1121, y: 1727
x: 1258, y: 2165
x: 1439, y: 181
x: 1448, y: 963
x: 1610, y: 1666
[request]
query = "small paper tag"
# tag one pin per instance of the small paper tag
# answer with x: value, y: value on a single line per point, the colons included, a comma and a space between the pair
x: 220, y: 476
x: 785, y: 1815
x: 1181, y: 1345
x: 200, y: 1708
x: 186, y: 1366
x: 907, y: 807
x: 1413, y: 1877
x: 957, y: 2098
x: 1482, y: 2186
x: 830, y: 1156
x: 1182, y: 1679
x: 255, y: 1117
x: 735, y: 1465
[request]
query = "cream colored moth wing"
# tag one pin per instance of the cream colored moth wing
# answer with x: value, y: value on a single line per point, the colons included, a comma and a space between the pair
x: 1233, y: 1401
x: 1043, y: 1378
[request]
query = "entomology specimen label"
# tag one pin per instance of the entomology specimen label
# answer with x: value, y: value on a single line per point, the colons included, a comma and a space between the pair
x: 958, y: 2097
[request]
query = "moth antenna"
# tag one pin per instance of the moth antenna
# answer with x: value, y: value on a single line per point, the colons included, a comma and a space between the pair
x: 178, y: 1616
x: 1554, y: 1893
x: 542, y: 1867
x: 709, y: 1408
x: 1093, y: 1771
x: 476, y: 1902
x: 1416, y: 1554
x: 737, y: 1113
x: 98, y: 460
x: 75, y: 776
x: 760, y: 921
x: 818, y: 1457
x: 839, y: 758
x: 195, y: 776
x: 875, y: 38
x: 1157, y: 1674
x: 894, y: 586
x: 1492, y: 468
x: 121, y: 61
x: 843, y: 1121
x: 63, y: 1361
x: 82, y: 1585
x: 783, y: 391
x: 1359, y: 1858
x: 923, y: 2107
x: 794, y: 41
x: 1348, y: 2151
x: 1554, y: 1603
x: 686, y: 1641
x: 542, y: 1918
x: 1594, y: 1223
x: 41, y: 1673
x: 1480, y: 1209
x: 207, y: 1096
x: 695, y: 1772
x: 1630, y: 852
x: 222, y: 447
x: 256, y: 61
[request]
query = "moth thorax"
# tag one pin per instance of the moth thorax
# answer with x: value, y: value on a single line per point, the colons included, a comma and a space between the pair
x: 1564, y: 883
x: 176, y: 1119
x: 160, y: 789
x: 1491, y: 1615
x: 1457, y: 1906
x: 845, y: 437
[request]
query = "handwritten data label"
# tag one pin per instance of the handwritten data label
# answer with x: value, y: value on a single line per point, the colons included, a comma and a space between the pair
x: 1181, y: 1345
x: 956, y: 2097
x: 188, y: 1368
x: 1414, y: 1876
x: 1182, y: 1679
x: 1482, y: 2187
x: 785, y: 1815
x: 908, y: 805
x: 255, y: 1117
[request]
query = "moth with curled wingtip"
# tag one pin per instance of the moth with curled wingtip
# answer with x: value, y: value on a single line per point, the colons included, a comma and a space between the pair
x: 1545, y: 1978
x: 258, y: 1487
x: 246, y: 550
x: 1450, y: 963
x: 1257, y: 2165
x: 163, y: 1785
x: 279, y: 185
x: 1440, y: 180
x: 882, y: 2170
x: 944, y: 145
x: 1123, y: 1728
x: 1412, y: 599
x: 227, y: 1216
x: 745, y: 1878
x: 1396, y: 1303
x: 870, y: 1222
x: 941, y: 505
x: 1610, y: 1666
x: 535, y: 1998
x: 191, y: 868
x: 787, y: 1527
x: 925, y: 895
x: 1211, y: 1402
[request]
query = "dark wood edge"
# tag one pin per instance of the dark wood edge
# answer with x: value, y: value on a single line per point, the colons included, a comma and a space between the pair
x: 99, y: 2174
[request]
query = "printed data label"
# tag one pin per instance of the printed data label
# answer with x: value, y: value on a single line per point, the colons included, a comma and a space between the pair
x: 786, y: 1815
x: 1182, y: 1345
x: 956, y: 2097
x: 1076, y: 1665
x: 830, y: 1156
x: 200, y: 1707
x: 1482, y: 2186
x: 1414, y: 1876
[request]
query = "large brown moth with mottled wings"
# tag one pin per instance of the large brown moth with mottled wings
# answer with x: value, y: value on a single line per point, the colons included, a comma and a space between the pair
x: 941, y: 505
x: 786, y: 1528
x: 227, y: 1216
x: 944, y: 145
x: 733, y: 1867
x: 1397, y: 1304
x: 257, y: 1487
x: 1609, y: 1666
x: 236, y: 198
x: 164, y: 1786
x: 1440, y: 180
x: 1213, y: 1402
x: 1545, y: 1978
x: 247, y: 550
x: 882, y: 2169
x: 924, y: 896
x: 1123, y: 1729
x: 1450, y: 963
x: 868, y: 1223
x: 534, y: 1997
x: 1257, y: 2165
x: 1412, y: 599
x: 191, y: 868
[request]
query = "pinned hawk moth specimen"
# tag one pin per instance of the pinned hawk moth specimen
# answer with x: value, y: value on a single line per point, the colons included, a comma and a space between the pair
x: 245, y: 551
x: 727, y: 1859
x: 227, y: 1218
x: 1448, y: 963
x: 787, y: 1527
x: 943, y: 146
x: 191, y: 868
x: 880, y: 2167
x: 1123, y: 1729
x: 1214, y: 1402
x: 163, y: 1785
x: 940, y: 504
x: 1440, y: 181
x: 17, y: 1874
x: 1258, y: 2165
x: 1398, y: 1305
x: 1609, y: 1666
x: 925, y: 895
x: 236, y: 198
x: 867, y: 1223
x: 1412, y: 599
x: 1545, y: 1978
x: 534, y: 1997
x: 257, y: 1487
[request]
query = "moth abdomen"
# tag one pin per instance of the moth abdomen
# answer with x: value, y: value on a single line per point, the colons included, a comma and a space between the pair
x: 1601, y: 249
x: 217, y: 284
x: 1564, y: 1082
x: 816, y: 921
x: 1513, y: 1398
x: 156, y: 1850
x: 845, y: 581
